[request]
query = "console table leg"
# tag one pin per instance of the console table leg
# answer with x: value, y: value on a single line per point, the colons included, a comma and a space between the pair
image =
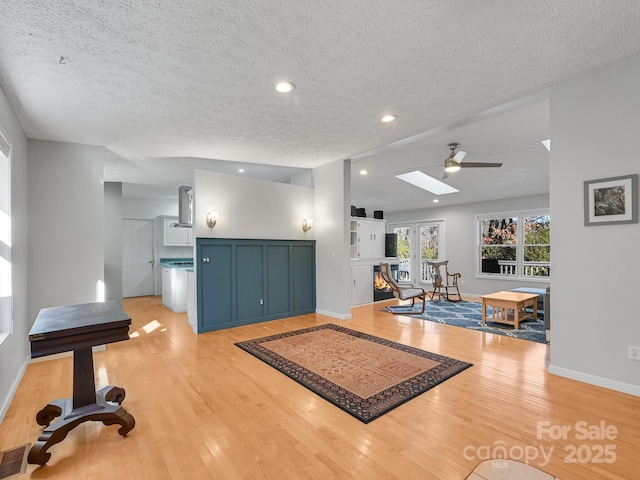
x: 111, y: 394
x: 38, y: 453
x: 124, y: 418
x: 84, y: 385
x: 107, y: 414
x: 50, y: 411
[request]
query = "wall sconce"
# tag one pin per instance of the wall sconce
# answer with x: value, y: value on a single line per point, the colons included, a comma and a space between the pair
x: 212, y: 218
x: 306, y: 224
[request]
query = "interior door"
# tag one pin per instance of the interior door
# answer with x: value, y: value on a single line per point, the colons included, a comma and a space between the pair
x: 137, y: 257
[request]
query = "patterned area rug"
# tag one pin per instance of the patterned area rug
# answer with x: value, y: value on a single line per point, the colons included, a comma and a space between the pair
x: 469, y: 315
x: 365, y: 376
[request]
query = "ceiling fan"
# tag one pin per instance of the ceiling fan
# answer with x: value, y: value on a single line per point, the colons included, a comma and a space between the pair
x: 453, y: 162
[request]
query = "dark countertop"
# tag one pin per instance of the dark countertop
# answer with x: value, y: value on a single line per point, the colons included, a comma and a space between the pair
x: 176, y: 262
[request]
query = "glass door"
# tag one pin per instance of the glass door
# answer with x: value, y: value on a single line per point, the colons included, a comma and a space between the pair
x: 429, y: 248
x: 404, y: 233
x: 417, y: 243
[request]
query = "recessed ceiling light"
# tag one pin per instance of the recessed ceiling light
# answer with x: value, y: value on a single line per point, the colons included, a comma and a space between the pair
x: 241, y: 170
x: 547, y: 143
x: 427, y: 183
x: 435, y: 200
x: 285, y: 87
x: 388, y: 118
x: 363, y: 172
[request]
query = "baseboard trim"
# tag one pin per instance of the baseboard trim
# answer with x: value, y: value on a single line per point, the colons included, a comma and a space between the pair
x: 596, y: 380
x: 12, y: 391
x: 339, y: 316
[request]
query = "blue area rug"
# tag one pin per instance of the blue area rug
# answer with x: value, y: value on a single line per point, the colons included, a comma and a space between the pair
x: 469, y: 315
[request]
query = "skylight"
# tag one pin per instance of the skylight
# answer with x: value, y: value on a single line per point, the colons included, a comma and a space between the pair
x: 424, y: 181
x: 547, y: 143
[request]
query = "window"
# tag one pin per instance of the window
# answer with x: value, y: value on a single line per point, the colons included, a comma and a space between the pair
x: 417, y: 243
x: 515, y: 245
x: 5, y: 241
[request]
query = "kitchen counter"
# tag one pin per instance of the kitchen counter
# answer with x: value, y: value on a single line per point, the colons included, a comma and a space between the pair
x: 174, y: 282
x: 176, y: 262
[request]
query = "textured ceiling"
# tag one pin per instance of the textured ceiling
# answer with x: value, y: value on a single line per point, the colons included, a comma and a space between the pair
x: 191, y: 79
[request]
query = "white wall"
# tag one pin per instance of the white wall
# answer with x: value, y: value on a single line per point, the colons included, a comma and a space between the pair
x: 15, y: 350
x: 250, y: 208
x: 461, y: 233
x: 594, y: 315
x: 66, y: 224
x: 333, y: 265
x: 149, y: 208
x: 113, y: 241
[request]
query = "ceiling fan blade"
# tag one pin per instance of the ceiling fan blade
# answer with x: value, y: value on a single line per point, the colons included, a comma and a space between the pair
x: 445, y: 174
x: 479, y: 165
x: 459, y: 156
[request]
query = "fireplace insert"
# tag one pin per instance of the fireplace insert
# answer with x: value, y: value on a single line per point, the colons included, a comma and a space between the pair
x: 381, y: 290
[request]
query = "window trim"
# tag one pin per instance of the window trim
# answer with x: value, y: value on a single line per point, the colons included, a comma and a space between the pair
x: 6, y: 325
x: 520, y: 215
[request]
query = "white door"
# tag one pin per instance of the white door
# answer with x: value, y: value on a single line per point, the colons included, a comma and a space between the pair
x: 137, y: 257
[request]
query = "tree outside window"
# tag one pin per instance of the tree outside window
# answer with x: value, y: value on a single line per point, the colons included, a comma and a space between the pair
x: 537, y: 245
x: 516, y: 246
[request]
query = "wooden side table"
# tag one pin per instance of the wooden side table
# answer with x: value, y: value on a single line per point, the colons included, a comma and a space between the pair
x: 78, y: 328
x: 509, y: 307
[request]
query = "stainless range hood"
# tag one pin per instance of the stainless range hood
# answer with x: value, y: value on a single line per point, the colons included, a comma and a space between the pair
x: 185, y: 207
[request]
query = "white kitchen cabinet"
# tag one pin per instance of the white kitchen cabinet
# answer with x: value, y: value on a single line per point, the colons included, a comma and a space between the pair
x: 174, y: 288
x: 361, y: 284
x: 176, y: 236
x: 166, y: 286
x: 370, y: 238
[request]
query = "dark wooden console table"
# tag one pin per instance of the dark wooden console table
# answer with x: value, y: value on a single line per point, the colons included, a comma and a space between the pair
x: 78, y: 328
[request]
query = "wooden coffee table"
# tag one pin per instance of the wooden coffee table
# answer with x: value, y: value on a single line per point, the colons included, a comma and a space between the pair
x: 509, y: 307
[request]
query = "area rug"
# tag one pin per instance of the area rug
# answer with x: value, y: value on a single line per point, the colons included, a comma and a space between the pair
x: 469, y: 315
x: 364, y: 375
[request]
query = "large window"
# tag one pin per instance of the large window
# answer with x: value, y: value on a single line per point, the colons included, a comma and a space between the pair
x: 515, y: 245
x: 5, y: 241
x: 417, y: 243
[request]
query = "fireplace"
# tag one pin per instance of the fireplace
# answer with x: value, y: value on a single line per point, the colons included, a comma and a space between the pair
x: 381, y: 290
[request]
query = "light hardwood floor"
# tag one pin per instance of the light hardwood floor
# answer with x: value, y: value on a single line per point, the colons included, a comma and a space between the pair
x: 206, y: 409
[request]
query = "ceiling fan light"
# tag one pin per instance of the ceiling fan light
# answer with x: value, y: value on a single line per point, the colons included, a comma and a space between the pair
x: 451, y: 167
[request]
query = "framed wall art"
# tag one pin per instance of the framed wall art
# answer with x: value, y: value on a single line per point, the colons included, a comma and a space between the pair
x: 610, y: 201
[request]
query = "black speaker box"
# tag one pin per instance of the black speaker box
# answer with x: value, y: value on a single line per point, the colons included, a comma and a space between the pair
x: 391, y: 245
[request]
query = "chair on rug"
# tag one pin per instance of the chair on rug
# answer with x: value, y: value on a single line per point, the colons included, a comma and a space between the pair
x: 442, y: 279
x: 402, y: 292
